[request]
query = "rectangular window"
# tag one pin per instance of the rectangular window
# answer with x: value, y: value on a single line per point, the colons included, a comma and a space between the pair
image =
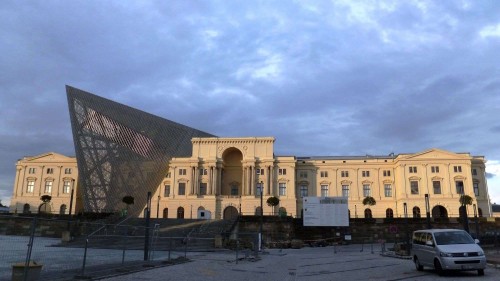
x: 475, y: 185
x: 166, y: 191
x: 281, y: 172
x: 388, y: 190
x: 234, y: 190
x: 413, y: 169
x: 182, y: 188
x: 50, y: 170
x: 31, y: 170
x: 182, y: 172
x: 259, y: 172
x: 203, y: 188
x: 365, y: 173
x: 434, y: 169
x: 48, y: 187
x: 203, y: 172
x: 258, y: 189
x: 457, y: 169
x: 282, y: 188
x: 366, y: 190
x: 414, y: 187
x: 67, y: 171
x: 324, y: 174
x: 387, y: 173
x: 303, y: 175
x: 31, y: 186
x: 460, y: 187
x: 303, y: 191
x: 344, y: 174
x: 437, y: 187
x: 345, y: 190
x: 474, y: 172
x: 324, y: 190
x: 66, y: 187
x: 168, y: 175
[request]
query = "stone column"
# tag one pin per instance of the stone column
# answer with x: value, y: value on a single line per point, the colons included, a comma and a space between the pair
x: 210, y: 180
x: 218, y: 181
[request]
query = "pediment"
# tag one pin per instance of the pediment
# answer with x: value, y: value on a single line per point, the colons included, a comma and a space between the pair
x: 435, y: 153
x: 49, y: 157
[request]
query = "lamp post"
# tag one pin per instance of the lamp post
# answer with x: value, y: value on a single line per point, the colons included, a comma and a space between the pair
x: 407, y: 234
x: 261, y: 216
x: 71, y: 197
x: 158, y: 208
x: 146, y: 235
x: 427, y: 211
x: 476, y: 220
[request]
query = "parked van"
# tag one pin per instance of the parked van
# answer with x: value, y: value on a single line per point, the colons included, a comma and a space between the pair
x: 447, y: 249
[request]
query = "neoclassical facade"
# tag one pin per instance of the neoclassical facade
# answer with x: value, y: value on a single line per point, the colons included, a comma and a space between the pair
x: 225, y: 177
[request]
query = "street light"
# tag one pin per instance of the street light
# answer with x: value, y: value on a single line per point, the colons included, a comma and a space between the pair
x: 405, y: 208
x: 261, y: 216
x: 476, y: 220
x: 427, y: 211
x: 158, y: 208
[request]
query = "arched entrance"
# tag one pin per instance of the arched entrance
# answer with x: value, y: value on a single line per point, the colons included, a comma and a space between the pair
x: 62, y: 210
x: 439, y: 212
x: 180, y: 213
x: 389, y: 213
x: 368, y: 213
x: 230, y: 213
x: 416, y: 212
x: 165, y: 213
x: 233, y: 172
x: 26, y: 209
x: 44, y: 208
x: 258, y: 211
x: 282, y: 212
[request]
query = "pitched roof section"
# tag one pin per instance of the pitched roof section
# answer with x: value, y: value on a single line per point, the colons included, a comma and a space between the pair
x: 122, y: 151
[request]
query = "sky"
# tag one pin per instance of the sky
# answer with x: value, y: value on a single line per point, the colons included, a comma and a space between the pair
x: 325, y: 78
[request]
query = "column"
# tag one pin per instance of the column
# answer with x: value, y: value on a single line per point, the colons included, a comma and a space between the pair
x: 252, y: 180
x: 269, y: 175
x: 243, y: 181
x: 192, y: 181
x: 210, y: 180
x: 219, y: 181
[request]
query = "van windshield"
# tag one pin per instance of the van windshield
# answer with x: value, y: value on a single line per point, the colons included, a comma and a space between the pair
x: 453, y: 237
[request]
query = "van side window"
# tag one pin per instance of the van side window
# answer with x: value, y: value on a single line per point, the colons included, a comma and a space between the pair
x: 428, y: 237
x: 416, y: 237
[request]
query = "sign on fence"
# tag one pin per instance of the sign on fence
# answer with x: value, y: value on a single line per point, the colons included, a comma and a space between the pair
x: 325, y: 211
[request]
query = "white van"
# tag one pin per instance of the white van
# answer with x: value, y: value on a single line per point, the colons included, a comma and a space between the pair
x: 447, y: 249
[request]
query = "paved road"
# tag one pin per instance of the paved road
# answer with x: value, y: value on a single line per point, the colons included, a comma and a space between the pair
x: 303, y: 264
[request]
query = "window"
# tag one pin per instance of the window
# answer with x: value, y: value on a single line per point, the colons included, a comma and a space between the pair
x: 365, y: 173
x: 460, y: 187
x: 281, y: 172
x: 182, y: 188
x: 324, y: 174
x: 66, y: 187
x: 168, y: 175
x: 50, y: 170
x: 474, y: 172
x: 344, y: 174
x: 416, y: 212
x: 345, y: 190
x: 437, y: 187
x: 203, y: 172
x: 303, y: 191
x: 324, y: 190
x: 166, y: 191
x: 368, y: 214
x: 48, y: 187
x: 303, y: 175
x: 387, y: 173
x: 182, y: 172
x: 203, y: 188
x: 413, y: 169
x: 388, y: 190
x: 475, y: 186
x: 259, y: 172
x: 67, y: 171
x: 31, y: 186
x: 282, y: 188
x: 434, y: 169
x: 31, y: 170
x: 389, y: 213
x: 457, y: 169
x: 414, y: 187
x: 366, y: 190
x: 234, y: 190
x: 258, y: 189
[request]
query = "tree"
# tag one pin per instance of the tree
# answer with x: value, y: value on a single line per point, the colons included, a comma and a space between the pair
x: 370, y: 201
x: 273, y: 201
x: 46, y: 198
x: 465, y: 200
x: 129, y: 200
x: 45, y: 206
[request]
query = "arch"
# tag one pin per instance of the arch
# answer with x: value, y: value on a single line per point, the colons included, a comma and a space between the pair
x: 44, y: 208
x: 480, y: 212
x: 439, y: 212
x: 230, y: 212
x: 258, y: 211
x: 232, y: 173
x: 389, y: 213
x: 201, y: 208
x: 62, y: 209
x: 26, y: 208
x: 282, y: 212
x: 368, y: 213
x: 416, y: 212
x: 165, y: 213
x: 180, y: 212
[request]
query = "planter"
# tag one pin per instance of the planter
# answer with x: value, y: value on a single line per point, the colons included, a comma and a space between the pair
x: 33, y: 271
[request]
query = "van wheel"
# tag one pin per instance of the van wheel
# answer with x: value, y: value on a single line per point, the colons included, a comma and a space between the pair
x: 480, y: 272
x: 438, y: 267
x: 418, y: 266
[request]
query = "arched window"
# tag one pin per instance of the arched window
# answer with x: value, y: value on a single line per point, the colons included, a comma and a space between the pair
x: 26, y: 209
x: 62, y: 210
x: 389, y: 213
x: 165, y: 213
x: 368, y: 213
x: 416, y: 212
x: 180, y: 213
x: 258, y: 211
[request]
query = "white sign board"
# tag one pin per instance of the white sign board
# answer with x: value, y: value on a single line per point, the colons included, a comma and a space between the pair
x: 325, y: 211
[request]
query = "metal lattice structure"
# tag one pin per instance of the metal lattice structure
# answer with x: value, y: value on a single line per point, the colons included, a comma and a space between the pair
x: 122, y: 151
